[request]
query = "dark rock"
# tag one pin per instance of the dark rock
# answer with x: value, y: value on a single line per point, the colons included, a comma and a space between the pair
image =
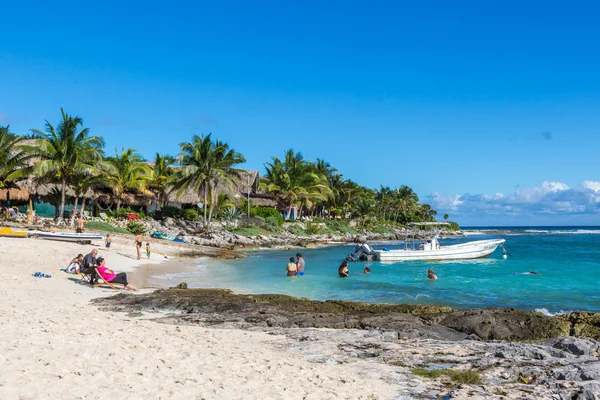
x: 182, y: 285
x: 506, y: 324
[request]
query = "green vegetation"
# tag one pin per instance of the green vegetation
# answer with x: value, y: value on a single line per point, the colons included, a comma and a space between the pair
x: 171, y: 212
x: 136, y: 227
x: 68, y: 156
x: 312, y: 228
x: 250, y: 231
x: 205, y: 164
x: 266, y: 212
x: 190, y: 214
x: 468, y: 377
x: 104, y: 227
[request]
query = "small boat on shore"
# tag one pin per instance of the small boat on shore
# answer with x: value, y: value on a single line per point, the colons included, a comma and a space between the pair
x: 68, y: 236
x: 9, y: 232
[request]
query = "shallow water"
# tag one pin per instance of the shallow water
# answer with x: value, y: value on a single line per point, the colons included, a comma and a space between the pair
x: 567, y: 261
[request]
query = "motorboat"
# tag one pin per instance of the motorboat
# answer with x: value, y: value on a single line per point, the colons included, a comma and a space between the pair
x: 431, y: 250
x: 68, y: 236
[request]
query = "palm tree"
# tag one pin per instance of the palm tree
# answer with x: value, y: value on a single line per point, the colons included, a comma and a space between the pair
x: 408, y: 201
x: 14, y: 157
x: 66, y: 151
x: 294, y: 181
x: 160, y: 178
x: 80, y: 185
x: 127, y: 171
x: 205, y: 164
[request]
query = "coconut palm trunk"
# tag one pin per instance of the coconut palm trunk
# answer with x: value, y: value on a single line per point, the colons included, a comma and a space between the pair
x: 204, y: 205
x: 63, y: 189
x: 74, y: 210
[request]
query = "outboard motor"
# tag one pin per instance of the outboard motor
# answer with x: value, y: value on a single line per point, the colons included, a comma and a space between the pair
x: 362, y: 252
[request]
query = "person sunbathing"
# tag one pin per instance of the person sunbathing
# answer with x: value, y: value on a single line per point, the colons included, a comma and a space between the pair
x: 109, y: 275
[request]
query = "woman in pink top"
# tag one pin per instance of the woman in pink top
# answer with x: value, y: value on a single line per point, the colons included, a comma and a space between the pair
x: 109, y: 275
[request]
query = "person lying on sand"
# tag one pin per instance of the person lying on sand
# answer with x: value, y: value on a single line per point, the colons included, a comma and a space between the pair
x: 109, y: 275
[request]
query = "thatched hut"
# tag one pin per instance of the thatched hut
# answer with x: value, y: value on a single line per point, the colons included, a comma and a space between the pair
x: 247, y: 181
x: 13, y: 195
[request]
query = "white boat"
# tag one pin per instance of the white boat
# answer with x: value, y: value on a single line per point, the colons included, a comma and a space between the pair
x: 430, y: 250
x: 68, y: 236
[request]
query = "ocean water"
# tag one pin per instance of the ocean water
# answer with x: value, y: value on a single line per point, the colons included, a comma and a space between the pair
x: 566, y: 259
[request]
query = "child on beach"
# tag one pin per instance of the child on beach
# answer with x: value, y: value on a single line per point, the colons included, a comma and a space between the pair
x: 107, y: 241
x: 148, y: 250
x: 75, y: 265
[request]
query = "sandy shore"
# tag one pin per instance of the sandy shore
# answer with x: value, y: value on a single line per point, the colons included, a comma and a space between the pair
x: 58, y: 346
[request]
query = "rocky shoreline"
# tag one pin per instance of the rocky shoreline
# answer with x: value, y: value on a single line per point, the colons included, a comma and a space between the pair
x: 505, y: 353
x: 193, y: 233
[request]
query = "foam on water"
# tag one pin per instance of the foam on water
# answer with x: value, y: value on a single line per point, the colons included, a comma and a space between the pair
x: 567, y: 266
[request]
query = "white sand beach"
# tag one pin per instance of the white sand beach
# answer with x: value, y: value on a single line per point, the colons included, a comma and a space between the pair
x: 58, y: 346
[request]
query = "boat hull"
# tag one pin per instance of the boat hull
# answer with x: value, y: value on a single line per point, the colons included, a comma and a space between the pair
x: 68, y: 237
x: 464, y: 251
x: 8, y: 232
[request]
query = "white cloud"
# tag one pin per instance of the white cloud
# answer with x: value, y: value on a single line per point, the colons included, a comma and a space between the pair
x: 593, y: 185
x: 550, y: 201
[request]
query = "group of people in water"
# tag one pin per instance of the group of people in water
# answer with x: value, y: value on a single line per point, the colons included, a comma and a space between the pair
x: 296, y: 267
x: 96, y: 266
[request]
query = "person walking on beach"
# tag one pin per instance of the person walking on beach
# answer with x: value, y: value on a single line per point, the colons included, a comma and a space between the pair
x: 80, y: 223
x: 89, y: 264
x: 343, y: 271
x: 148, y: 250
x: 291, y: 267
x: 300, y: 264
x: 138, y: 244
x: 107, y: 241
x: 431, y: 275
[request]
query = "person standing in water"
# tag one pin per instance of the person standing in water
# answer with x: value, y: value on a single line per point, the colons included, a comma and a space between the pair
x: 343, y: 271
x: 300, y: 264
x: 431, y: 275
x: 291, y: 267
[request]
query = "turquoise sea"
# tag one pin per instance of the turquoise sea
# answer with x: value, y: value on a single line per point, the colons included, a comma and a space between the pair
x: 566, y: 259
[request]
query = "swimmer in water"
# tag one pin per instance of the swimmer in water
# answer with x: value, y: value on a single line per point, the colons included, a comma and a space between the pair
x: 367, y: 270
x: 431, y: 275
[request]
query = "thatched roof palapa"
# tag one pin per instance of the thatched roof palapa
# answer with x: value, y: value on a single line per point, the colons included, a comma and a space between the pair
x: 237, y: 190
x: 15, y: 193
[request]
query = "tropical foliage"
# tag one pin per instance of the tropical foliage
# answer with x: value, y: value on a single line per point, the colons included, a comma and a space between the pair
x: 127, y: 171
x: 13, y: 157
x: 65, y: 151
x: 204, y: 165
x: 68, y: 156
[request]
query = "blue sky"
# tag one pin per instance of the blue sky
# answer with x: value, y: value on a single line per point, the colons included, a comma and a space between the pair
x: 465, y: 102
